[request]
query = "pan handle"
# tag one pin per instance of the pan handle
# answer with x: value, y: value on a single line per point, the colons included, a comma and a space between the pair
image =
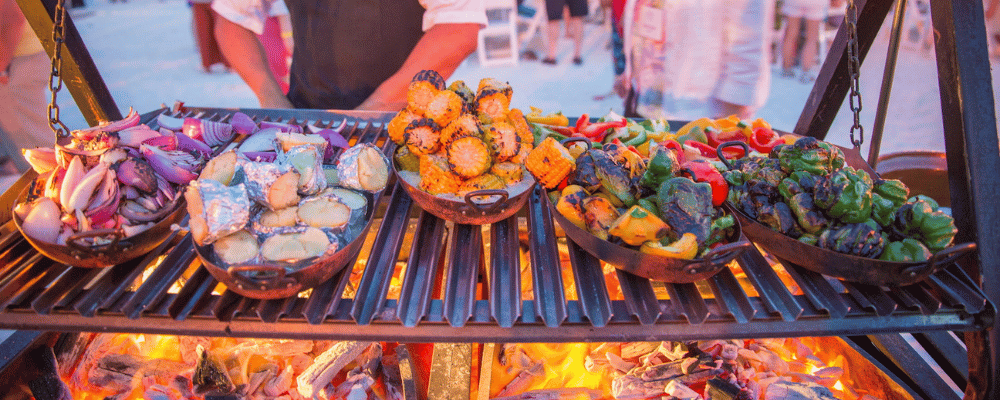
x: 82, y: 250
x: 262, y: 277
x: 719, y: 255
x: 567, y: 141
x: 718, y: 150
x: 488, y: 207
x: 941, y: 258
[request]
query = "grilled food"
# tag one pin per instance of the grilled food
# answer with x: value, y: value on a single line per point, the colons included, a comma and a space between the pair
x: 504, y: 141
x: 509, y: 172
x: 463, y: 125
x: 550, y: 163
x: 436, y: 176
x: 422, y: 136
x: 397, y: 126
x: 469, y: 157
x: 445, y: 107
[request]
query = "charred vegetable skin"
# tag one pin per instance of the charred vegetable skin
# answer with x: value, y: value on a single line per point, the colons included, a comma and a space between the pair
x: 687, y: 207
x: 804, y: 191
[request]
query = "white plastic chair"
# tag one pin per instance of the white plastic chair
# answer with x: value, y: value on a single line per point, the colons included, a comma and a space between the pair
x: 502, y: 25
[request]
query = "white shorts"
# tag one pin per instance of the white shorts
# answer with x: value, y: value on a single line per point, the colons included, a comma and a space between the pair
x: 813, y: 10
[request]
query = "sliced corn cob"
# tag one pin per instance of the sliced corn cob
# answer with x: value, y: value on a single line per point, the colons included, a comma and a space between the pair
x: 522, y: 155
x: 481, y: 182
x: 516, y: 118
x: 464, y: 125
x: 504, y: 142
x: 419, y: 96
x: 432, y: 76
x: 397, y: 125
x: 493, y: 84
x: 509, y: 172
x: 469, y: 157
x: 422, y: 135
x: 445, y: 107
x: 550, y: 162
x: 467, y: 95
x: 492, y: 105
x: 436, y: 177
x: 406, y: 160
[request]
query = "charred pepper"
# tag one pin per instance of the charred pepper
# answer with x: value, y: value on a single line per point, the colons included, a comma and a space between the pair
x: 662, y: 166
x: 922, y: 220
x: 855, y: 239
x: 906, y: 250
x: 893, y: 190
x: 811, y: 155
x: 686, y: 206
x: 704, y: 171
x: 846, y: 195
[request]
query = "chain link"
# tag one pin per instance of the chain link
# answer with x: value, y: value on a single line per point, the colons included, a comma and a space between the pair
x: 55, y: 77
x: 854, y: 70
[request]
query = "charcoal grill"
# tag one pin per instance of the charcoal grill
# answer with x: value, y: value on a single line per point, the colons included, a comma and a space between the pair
x: 448, y: 295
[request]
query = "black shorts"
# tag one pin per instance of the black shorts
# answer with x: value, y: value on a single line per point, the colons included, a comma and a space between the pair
x: 577, y: 8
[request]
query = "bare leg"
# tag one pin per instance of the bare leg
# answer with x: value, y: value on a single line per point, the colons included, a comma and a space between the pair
x: 553, y: 39
x: 810, y: 46
x: 790, y: 42
x: 574, y: 25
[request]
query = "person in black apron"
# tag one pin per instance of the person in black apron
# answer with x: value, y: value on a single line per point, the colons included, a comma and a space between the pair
x: 352, y: 53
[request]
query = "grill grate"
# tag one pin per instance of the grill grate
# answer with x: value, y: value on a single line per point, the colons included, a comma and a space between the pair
x: 445, y: 294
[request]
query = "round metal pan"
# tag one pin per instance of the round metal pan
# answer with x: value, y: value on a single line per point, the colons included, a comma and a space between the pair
x: 276, y: 280
x: 499, y: 204
x: 654, y: 267
x: 848, y: 267
x: 119, y: 250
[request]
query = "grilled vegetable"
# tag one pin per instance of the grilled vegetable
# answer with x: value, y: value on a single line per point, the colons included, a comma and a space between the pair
x: 706, y: 172
x: 662, y: 166
x: 493, y: 84
x: 492, y: 104
x: 637, y: 226
x: 468, y: 157
x: 686, y: 206
x: 430, y: 76
x: 556, y: 118
x: 397, y: 126
x: 419, y: 95
x: 436, y: 177
x: 481, y: 182
x: 503, y: 139
x: 906, y: 250
x: 599, y: 214
x: 846, y: 195
x: 811, y: 155
x: 550, y: 163
x: 883, y: 211
x: 462, y: 126
x: 467, y: 95
x: 684, y: 248
x: 921, y: 219
x: 778, y: 216
x: 406, y: 160
x: 856, y: 239
x: 570, y: 205
x: 614, y: 178
x: 509, y: 172
x: 422, y: 136
x: 809, y: 218
x: 893, y: 190
x: 721, y: 230
x: 444, y: 107
x: 516, y: 119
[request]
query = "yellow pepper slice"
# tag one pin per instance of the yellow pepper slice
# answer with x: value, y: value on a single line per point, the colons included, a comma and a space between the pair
x: 700, y: 123
x: 684, y: 248
x: 556, y: 118
x: 760, y: 123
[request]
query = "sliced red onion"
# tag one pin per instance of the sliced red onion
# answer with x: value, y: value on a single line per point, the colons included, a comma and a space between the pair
x: 211, y: 132
x: 135, y: 212
x: 130, y: 192
x: 186, y: 143
x: 171, y: 123
x: 263, y: 140
x: 130, y: 120
x: 176, y: 166
x: 334, y: 140
x: 243, y: 124
x: 104, y: 212
x: 261, y: 156
x: 134, y: 136
x: 281, y: 126
x: 165, y: 142
x: 134, y: 172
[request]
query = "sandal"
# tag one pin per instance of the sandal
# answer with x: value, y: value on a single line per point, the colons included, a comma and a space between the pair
x: 549, y: 61
x: 577, y: 60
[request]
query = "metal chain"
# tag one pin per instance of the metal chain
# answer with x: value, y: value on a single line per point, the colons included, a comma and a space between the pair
x: 854, y: 69
x: 55, y: 77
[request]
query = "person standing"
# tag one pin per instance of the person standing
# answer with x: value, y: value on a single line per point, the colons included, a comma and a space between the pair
x: 796, y: 12
x: 204, y: 20
x: 24, y: 78
x: 356, y: 54
x: 274, y: 32
x: 577, y: 9
x: 688, y: 59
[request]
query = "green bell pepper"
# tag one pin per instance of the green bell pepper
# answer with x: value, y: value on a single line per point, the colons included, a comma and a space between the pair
x: 720, y: 230
x: 920, y: 220
x: 810, y: 220
x: 778, y: 216
x: 893, y: 190
x: 856, y: 239
x: 647, y: 204
x: 906, y: 250
x: 883, y: 209
x: 661, y: 167
x: 811, y: 155
x: 845, y: 195
x: 686, y: 206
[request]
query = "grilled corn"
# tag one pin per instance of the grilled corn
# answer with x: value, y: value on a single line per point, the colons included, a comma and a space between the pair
x: 419, y: 96
x: 493, y: 84
x: 510, y: 172
x: 481, y: 182
x: 550, y: 163
x: 436, y: 177
x: 464, y: 125
x: 431, y: 76
x: 397, y: 125
x: 516, y: 119
x: 467, y: 95
x: 422, y: 136
x: 504, y: 142
x: 469, y: 157
x: 445, y: 107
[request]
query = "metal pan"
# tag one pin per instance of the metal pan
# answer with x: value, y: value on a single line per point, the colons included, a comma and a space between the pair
x: 276, y: 280
x: 848, y: 267
x: 654, y: 267
x: 479, y: 207
x: 120, y: 248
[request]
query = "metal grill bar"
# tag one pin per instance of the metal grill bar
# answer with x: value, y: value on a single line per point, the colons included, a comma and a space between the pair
x: 170, y: 292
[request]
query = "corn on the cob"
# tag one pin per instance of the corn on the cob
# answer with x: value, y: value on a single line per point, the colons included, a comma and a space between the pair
x: 522, y: 155
x: 406, y: 160
x: 469, y: 157
x: 504, y: 142
x: 445, y: 107
x: 467, y: 95
x: 493, y: 84
x: 516, y: 119
x: 436, y: 177
x: 550, y: 162
x: 509, y: 172
x: 492, y: 105
x: 432, y: 76
x: 422, y: 136
x: 419, y: 96
x: 464, y: 125
x: 397, y: 125
x: 481, y: 182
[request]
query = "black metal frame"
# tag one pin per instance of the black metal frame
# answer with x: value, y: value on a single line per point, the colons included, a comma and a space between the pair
x: 971, y: 144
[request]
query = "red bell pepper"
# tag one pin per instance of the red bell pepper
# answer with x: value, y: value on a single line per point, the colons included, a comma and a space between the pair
x: 704, y: 171
x: 675, y: 147
x: 597, y: 130
x: 715, y: 138
x: 705, y: 150
x: 764, y: 139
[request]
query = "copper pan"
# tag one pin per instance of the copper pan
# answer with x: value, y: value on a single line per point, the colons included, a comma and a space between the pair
x: 275, y: 280
x: 120, y: 248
